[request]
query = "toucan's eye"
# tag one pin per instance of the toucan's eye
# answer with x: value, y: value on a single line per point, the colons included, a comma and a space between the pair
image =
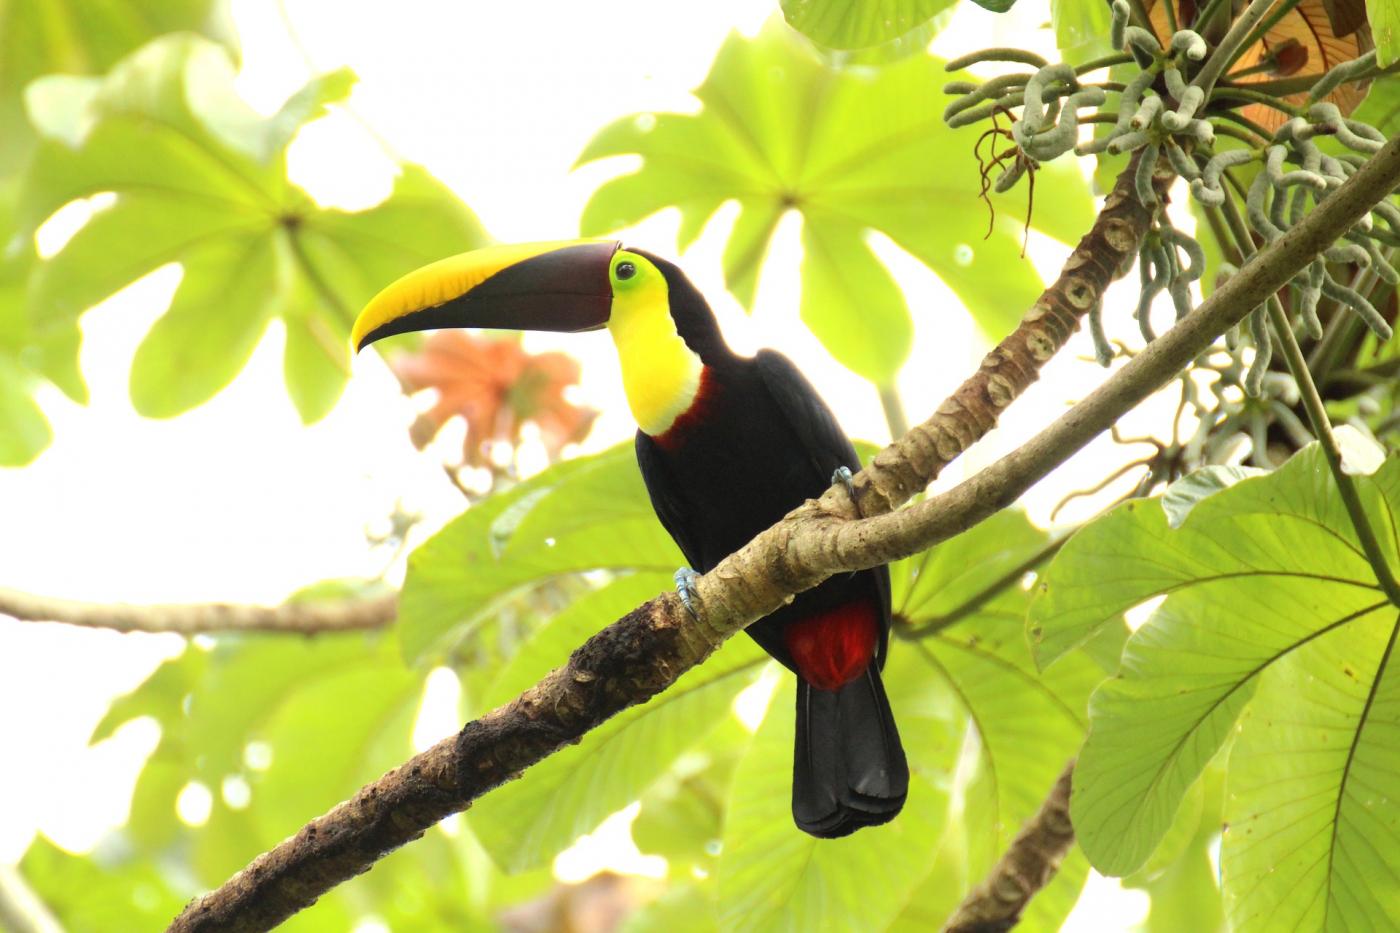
x: 625, y: 270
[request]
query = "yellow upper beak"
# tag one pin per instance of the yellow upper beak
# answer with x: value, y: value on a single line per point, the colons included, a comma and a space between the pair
x: 561, y: 285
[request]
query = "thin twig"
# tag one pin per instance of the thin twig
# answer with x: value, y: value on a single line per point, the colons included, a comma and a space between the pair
x: 308, y: 618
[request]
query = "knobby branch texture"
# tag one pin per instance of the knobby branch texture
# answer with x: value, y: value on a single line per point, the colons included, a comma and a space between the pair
x: 1027, y: 866
x: 645, y: 651
x: 307, y: 618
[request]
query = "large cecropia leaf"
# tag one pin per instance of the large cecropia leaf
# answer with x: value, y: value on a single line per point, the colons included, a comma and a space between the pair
x: 26, y: 429
x: 967, y: 598
x: 589, y: 513
x: 525, y: 823
x: 71, y: 37
x: 854, y: 150
x: 1273, y: 630
x: 773, y: 876
x: 859, y: 24
x: 201, y: 180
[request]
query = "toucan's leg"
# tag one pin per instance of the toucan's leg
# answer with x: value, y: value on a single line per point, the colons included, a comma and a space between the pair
x: 842, y: 475
x: 685, y: 588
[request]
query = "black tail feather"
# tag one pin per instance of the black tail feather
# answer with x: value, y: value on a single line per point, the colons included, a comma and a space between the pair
x: 849, y: 769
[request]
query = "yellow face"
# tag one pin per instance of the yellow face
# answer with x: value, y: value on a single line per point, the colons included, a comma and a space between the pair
x: 660, y: 374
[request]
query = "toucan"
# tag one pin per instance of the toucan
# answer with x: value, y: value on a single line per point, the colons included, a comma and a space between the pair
x: 727, y: 445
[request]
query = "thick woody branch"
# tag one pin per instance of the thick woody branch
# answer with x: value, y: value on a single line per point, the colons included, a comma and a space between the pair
x: 1105, y: 253
x: 1027, y: 866
x: 645, y: 651
x: 309, y: 618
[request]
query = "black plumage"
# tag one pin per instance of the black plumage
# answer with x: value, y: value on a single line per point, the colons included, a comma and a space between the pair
x: 755, y: 444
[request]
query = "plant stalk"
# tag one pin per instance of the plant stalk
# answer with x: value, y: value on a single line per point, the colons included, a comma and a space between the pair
x: 1317, y: 418
x: 1224, y: 55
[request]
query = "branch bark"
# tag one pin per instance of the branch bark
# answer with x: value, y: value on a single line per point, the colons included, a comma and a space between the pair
x: 309, y: 618
x: 1027, y: 866
x: 646, y: 650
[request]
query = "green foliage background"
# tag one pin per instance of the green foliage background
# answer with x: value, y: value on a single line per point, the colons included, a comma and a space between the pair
x: 1260, y: 693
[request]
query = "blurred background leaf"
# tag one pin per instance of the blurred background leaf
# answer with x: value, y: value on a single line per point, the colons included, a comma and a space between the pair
x: 854, y: 150
x: 200, y: 179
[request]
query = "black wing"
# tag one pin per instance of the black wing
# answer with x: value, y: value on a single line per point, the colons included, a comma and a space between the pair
x: 669, y: 502
x: 822, y: 439
x: 824, y: 444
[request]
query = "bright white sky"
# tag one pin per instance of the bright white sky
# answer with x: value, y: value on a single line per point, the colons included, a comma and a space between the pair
x: 236, y: 501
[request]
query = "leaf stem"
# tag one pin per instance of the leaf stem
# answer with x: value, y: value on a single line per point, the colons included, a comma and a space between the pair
x: 895, y: 417
x: 1283, y: 9
x: 1317, y: 418
x: 932, y: 625
x: 1224, y: 55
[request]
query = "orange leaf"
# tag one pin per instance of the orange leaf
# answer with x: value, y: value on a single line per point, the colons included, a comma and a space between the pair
x: 496, y: 387
x: 1303, y: 43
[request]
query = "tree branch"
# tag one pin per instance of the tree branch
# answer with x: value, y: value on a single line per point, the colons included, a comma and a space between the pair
x: 1027, y: 866
x: 309, y: 618
x: 645, y: 651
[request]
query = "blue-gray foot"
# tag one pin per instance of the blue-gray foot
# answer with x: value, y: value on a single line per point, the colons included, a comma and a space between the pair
x: 685, y: 588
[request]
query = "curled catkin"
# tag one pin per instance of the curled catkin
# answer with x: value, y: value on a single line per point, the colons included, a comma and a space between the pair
x: 1379, y: 263
x: 1206, y: 189
x: 1181, y: 162
x: 1119, y: 12
x: 1142, y: 177
x: 1103, y: 351
x: 1033, y: 113
x: 1358, y: 303
x: 1347, y: 252
x: 1176, y: 84
x: 1176, y: 120
x: 1256, y: 204
x: 1190, y: 42
x: 996, y: 55
x: 1140, y: 38
x: 1345, y: 130
x: 1263, y: 353
x: 1010, y: 175
x: 1309, y: 292
x: 993, y: 87
x: 1128, y: 142
x: 1060, y: 139
x: 1340, y: 74
x: 1194, y: 252
x: 1146, y: 112
x: 1281, y: 179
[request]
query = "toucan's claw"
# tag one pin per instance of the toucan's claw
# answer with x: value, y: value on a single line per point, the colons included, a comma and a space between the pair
x: 685, y: 588
x: 842, y: 475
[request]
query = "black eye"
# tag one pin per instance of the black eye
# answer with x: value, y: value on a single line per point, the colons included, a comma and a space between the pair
x: 625, y: 270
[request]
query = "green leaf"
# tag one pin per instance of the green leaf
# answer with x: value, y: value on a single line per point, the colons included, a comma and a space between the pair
x: 773, y: 876
x: 996, y: 6
x: 859, y: 24
x: 854, y: 150
x: 1384, y: 16
x: 1081, y: 30
x: 1115, y: 562
x: 1313, y: 821
x: 1183, y: 495
x: 1027, y: 724
x: 94, y: 894
x: 589, y: 513
x: 526, y: 823
x: 1179, y: 877
x: 1264, y: 576
x: 1381, y: 108
x: 200, y: 179
x: 26, y: 432
x: 73, y: 37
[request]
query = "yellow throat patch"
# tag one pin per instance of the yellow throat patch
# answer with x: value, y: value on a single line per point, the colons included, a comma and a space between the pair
x: 660, y: 374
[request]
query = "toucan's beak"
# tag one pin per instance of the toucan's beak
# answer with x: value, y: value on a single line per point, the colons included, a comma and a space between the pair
x: 560, y: 286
